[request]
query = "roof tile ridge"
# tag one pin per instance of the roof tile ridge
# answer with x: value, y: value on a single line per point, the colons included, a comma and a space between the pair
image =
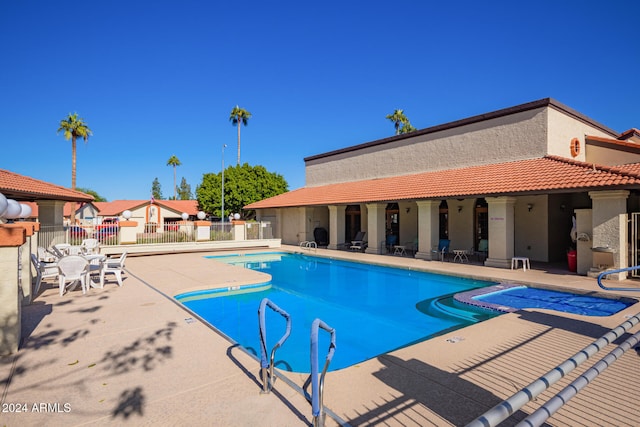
x: 594, y: 166
x: 39, y: 181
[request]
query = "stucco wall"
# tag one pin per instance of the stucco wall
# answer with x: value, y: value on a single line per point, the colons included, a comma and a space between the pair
x: 517, y: 136
x: 609, y: 156
x: 530, y: 233
x: 563, y: 128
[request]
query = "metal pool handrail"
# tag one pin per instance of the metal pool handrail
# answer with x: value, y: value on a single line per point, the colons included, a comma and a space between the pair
x: 317, y: 384
x: 504, y: 410
x: 266, y: 367
x: 621, y: 270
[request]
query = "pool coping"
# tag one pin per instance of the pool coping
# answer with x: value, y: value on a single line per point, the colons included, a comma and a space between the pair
x: 468, y: 297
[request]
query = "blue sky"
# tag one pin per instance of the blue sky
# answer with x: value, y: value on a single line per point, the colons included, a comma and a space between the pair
x: 156, y: 79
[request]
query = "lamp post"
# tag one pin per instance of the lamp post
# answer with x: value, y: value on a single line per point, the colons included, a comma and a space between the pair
x: 222, y: 209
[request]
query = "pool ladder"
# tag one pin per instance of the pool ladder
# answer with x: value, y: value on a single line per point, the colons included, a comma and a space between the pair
x: 266, y: 366
x: 308, y: 245
x: 316, y: 381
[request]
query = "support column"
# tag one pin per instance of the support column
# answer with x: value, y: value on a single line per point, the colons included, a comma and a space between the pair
x: 336, y: 226
x: 428, y: 228
x: 51, y: 212
x: 239, y: 230
x: 375, y: 227
x: 501, y: 231
x: 25, y: 276
x: 609, y: 218
x: 202, y: 230
x: 128, y: 232
x: 11, y: 239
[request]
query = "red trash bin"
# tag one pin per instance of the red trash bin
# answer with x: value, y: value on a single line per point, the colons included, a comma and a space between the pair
x: 572, y: 260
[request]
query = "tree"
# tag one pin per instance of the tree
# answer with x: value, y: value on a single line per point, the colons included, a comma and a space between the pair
x: 242, y: 185
x: 156, y: 190
x: 398, y: 118
x: 239, y: 116
x: 174, y: 161
x: 96, y: 196
x: 74, y: 127
x: 184, y: 191
x: 407, y: 127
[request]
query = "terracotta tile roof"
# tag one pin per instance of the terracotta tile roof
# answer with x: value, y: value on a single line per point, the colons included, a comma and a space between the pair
x: 116, y: 207
x: 629, y: 168
x: 539, y: 175
x: 616, y: 142
x: 24, y: 188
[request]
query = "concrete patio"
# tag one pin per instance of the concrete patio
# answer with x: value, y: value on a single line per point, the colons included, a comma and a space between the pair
x: 131, y: 355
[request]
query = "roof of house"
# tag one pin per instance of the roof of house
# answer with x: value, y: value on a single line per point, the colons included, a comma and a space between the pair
x: 24, y: 188
x: 616, y: 144
x: 540, y: 175
x: 116, y: 207
x: 541, y: 103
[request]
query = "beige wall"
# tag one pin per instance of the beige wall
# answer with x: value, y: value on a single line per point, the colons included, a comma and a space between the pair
x: 530, y: 234
x: 609, y: 156
x: 518, y: 136
x: 408, y: 223
x: 461, y: 223
x: 563, y: 128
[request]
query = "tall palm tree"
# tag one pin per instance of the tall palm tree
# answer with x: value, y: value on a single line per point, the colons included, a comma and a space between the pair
x: 174, y: 161
x: 239, y: 116
x: 74, y: 127
x: 407, y: 127
x: 398, y: 118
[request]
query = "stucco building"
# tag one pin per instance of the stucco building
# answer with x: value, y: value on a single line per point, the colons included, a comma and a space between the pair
x: 534, y: 180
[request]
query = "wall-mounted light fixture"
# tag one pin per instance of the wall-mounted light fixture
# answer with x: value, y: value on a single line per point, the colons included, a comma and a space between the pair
x: 408, y: 210
x: 459, y: 209
x: 562, y: 207
x: 529, y: 207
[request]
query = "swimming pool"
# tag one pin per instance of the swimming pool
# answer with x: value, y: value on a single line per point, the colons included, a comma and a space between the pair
x: 510, y: 298
x: 374, y: 309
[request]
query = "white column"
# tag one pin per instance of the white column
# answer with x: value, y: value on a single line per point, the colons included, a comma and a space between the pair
x: 375, y: 227
x: 501, y: 231
x: 428, y: 228
x: 336, y: 226
x: 609, y: 218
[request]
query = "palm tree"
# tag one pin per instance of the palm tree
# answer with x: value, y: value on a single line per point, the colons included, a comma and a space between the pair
x: 239, y: 116
x: 74, y: 127
x: 398, y: 118
x: 174, y: 161
x: 407, y: 127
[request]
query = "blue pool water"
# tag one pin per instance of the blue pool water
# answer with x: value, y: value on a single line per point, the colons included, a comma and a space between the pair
x: 373, y: 309
x: 525, y: 297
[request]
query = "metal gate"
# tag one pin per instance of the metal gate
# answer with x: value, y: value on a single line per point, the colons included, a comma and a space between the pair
x: 635, y: 256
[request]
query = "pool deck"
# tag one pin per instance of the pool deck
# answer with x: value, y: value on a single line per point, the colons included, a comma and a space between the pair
x: 131, y: 355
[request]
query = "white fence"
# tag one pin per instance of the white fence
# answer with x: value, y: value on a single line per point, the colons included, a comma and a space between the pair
x: 153, y: 233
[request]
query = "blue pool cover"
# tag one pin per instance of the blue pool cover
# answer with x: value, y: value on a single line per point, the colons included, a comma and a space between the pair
x: 507, y: 298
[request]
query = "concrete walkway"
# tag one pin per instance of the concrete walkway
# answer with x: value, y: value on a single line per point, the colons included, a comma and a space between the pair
x: 131, y: 355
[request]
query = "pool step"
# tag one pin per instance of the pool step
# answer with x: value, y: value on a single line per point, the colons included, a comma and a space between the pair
x: 447, y: 306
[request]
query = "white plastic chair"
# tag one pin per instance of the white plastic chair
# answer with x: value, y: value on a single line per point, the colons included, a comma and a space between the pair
x: 113, y: 266
x: 90, y: 246
x: 46, y: 256
x: 73, y: 268
x: 44, y: 270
